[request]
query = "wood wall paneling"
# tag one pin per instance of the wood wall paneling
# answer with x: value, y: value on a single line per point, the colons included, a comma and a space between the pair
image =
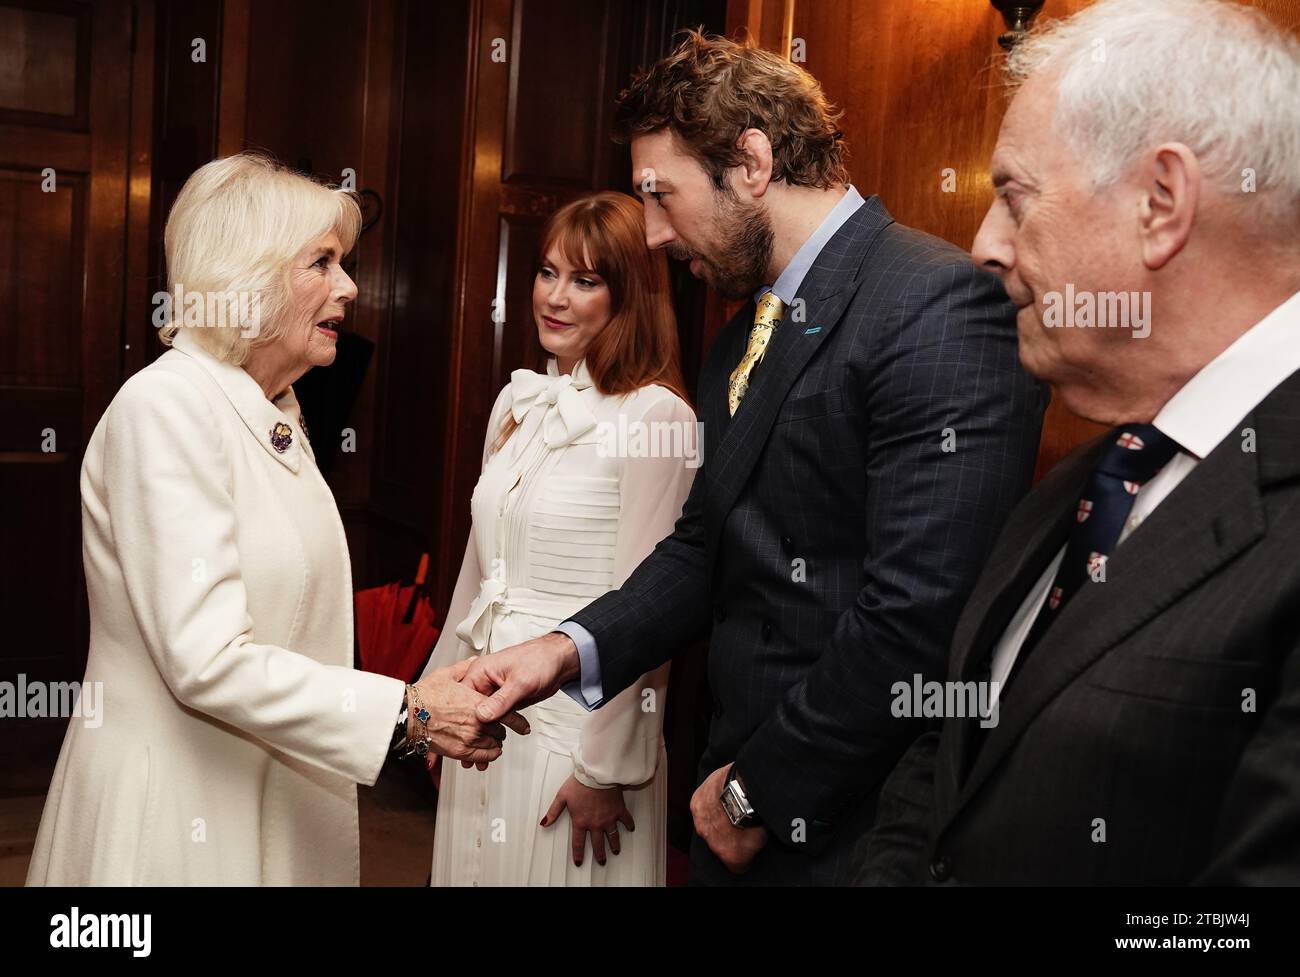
x: 555, y: 129
x: 473, y: 344
x: 138, y: 333
x: 415, y: 391
x: 920, y: 88
x: 318, y: 78
x: 184, y: 123
x: 45, y: 69
x: 306, y: 102
x: 62, y: 274
x: 42, y: 282
x: 542, y: 77
x: 521, y: 236
x: 232, y: 56
x: 319, y: 86
x: 372, y: 268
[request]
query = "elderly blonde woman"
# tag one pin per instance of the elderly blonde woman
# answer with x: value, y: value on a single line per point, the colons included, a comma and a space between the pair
x: 235, y: 729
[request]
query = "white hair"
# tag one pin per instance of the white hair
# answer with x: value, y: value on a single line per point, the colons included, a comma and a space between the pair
x: 1219, y: 77
x: 234, y: 230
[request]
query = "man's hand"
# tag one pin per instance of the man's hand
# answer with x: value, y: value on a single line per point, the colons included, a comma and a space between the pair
x: 523, y: 674
x: 455, y: 729
x: 735, y: 847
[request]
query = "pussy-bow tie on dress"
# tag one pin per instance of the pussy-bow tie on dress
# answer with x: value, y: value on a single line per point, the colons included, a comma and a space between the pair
x: 551, y: 402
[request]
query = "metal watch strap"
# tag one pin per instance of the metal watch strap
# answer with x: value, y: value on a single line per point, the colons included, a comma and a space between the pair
x: 736, y: 803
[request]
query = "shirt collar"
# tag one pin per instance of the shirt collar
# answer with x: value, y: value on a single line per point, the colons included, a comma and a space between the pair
x: 266, y: 421
x: 787, y: 284
x: 1213, y: 402
x: 580, y: 375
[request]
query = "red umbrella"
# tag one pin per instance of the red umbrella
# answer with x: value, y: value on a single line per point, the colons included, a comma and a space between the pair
x: 395, y: 628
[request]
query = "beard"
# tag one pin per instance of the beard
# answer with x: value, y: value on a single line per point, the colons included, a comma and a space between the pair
x: 738, y: 261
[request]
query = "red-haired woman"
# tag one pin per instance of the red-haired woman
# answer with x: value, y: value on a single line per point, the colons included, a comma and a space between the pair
x: 585, y: 469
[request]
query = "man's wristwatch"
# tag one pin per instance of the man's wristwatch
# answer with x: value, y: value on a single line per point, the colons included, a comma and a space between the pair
x: 740, y: 812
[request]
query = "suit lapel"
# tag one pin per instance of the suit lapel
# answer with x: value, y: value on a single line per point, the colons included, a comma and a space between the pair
x: 732, y: 341
x: 1212, y: 516
x: 1025, y: 554
x: 826, y: 291
x: 1026, y: 547
x: 1277, y: 427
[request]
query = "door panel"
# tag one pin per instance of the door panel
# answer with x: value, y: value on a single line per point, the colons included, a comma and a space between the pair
x: 63, y: 178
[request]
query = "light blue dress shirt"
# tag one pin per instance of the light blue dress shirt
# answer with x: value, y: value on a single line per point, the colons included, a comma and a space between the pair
x: 586, y: 690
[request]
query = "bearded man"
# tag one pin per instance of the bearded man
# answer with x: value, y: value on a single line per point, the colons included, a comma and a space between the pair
x: 867, y: 429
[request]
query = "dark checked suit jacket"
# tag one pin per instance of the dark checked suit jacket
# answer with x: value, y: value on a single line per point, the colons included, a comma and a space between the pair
x: 828, y: 539
x: 1128, y: 714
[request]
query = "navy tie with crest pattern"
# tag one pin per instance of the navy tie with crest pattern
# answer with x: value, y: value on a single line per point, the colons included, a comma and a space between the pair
x: 1136, y: 455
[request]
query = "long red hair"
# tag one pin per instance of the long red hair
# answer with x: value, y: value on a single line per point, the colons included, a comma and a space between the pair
x: 605, y: 232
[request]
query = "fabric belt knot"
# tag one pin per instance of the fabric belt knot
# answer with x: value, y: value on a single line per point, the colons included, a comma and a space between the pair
x: 476, y: 629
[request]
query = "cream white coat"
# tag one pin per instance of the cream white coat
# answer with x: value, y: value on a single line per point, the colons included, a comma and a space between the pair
x: 234, y: 727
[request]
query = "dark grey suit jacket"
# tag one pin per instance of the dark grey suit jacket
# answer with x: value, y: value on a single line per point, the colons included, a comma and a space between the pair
x: 829, y: 539
x: 1153, y: 735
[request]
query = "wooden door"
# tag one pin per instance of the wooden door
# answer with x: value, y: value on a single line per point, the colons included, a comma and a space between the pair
x: 64, y: 168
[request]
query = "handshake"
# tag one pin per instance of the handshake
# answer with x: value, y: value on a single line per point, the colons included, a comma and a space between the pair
x: 472, y: 703
x: 478, y: 699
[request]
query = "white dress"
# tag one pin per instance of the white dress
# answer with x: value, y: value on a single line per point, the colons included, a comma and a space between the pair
x: 562, y: 513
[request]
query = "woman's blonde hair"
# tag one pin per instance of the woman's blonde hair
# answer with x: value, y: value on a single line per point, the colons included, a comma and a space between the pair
x: 232, y: 234
x: 638, y: 346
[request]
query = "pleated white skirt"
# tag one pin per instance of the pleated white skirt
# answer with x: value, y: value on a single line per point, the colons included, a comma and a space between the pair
x: 488, y: 831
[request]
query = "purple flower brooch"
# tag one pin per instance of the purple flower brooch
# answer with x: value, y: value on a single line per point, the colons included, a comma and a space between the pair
x: 281, y: 437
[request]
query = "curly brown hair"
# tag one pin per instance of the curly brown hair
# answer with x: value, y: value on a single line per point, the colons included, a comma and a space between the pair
x: 709, y: 90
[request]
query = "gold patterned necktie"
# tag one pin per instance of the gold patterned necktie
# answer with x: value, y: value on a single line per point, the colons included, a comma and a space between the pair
x: 768, y: 315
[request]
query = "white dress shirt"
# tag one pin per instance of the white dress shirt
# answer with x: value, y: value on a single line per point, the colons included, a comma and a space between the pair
x: 1206, y: 410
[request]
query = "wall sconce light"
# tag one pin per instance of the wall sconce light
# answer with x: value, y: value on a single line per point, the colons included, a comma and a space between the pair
x: 1018, y: 14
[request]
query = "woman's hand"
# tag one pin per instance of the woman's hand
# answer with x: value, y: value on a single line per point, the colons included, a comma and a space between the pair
x: 453, y: 726
x: 591, y: 810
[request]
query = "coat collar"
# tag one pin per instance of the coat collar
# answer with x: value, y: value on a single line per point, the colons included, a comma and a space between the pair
x: 270, y: 424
